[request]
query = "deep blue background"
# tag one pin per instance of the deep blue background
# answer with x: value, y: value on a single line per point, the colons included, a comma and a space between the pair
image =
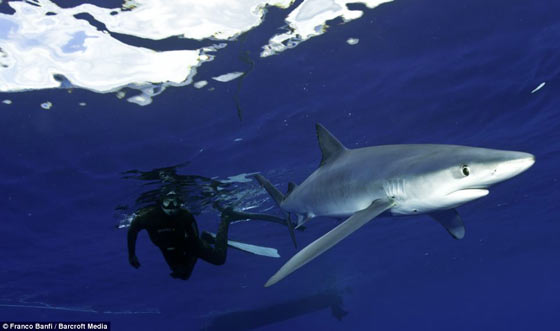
x: 432, y: 71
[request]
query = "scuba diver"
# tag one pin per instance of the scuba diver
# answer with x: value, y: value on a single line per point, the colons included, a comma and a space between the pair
x: 174, y: 231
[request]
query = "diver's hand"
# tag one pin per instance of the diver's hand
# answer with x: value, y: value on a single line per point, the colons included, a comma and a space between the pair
x: 133, y: 260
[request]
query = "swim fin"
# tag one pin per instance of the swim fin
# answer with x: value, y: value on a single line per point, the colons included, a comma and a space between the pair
x: 249, y: 248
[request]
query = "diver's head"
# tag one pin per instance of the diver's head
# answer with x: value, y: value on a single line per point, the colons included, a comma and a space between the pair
x: 171, y: 203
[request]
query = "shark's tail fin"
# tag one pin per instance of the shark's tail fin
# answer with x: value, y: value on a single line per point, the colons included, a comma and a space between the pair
x: 278, y: 198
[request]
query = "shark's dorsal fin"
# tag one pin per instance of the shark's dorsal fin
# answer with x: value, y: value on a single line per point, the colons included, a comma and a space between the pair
x: 330, y: 146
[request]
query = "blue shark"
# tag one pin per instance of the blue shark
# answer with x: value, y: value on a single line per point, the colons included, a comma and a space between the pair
x: 360, y: 184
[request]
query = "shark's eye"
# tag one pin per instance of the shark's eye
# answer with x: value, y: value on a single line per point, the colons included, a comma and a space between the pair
x: 465, y: 170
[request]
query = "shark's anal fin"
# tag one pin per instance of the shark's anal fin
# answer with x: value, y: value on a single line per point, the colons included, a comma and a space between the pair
x: 301, y: 220
x: 331, y: 238
x: 330, y: 146
x: 451, y: 221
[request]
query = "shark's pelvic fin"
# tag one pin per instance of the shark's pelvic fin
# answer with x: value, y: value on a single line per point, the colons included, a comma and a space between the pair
x: 278, y: 198
x: 330, y: 146
x: 331, y: 238
x: 451, y: 221
x: 301, y: 220
x: 291, y: 187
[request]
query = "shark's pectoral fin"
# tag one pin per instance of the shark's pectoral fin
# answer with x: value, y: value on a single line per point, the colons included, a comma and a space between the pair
x: 331, y: 238
x: 451, y: 221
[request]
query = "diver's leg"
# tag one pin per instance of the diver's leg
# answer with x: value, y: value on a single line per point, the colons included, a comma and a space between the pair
x: 217, y: 254
x: 235, y: 215
x: 181, y: 266
x: 184, y: 270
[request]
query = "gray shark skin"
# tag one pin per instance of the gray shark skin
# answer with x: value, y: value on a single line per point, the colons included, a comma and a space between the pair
x: 402, y: 179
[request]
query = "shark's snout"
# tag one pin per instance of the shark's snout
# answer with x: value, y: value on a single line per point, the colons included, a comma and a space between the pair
x: 516, y: 165
x: 511, y: 166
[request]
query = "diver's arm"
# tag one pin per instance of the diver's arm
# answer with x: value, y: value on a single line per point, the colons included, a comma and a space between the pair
x: 135, y: 227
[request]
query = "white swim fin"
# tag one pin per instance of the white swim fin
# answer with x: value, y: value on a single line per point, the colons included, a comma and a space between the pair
x: 249, y: 248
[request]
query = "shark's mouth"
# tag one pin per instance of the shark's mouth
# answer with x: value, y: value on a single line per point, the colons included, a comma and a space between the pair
x: 467, y: 194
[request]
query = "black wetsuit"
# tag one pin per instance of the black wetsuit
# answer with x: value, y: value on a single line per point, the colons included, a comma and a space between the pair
x: 178, y: 239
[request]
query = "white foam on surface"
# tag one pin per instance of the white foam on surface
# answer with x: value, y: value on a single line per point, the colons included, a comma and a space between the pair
x: 46, y: 105
x: 141, y: 99
x: 228, y: 77
x: 193, y: 19
x: 45, y: 46
x: 352, y: 41
x: 200, y: 84
x: 309, y: 20
x: 38, y: 47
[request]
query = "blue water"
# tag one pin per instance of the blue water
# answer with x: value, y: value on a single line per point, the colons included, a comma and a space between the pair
x: 430, y: 71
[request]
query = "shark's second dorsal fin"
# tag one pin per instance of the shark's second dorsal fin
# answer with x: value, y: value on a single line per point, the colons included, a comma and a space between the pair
x: 330, y: 146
